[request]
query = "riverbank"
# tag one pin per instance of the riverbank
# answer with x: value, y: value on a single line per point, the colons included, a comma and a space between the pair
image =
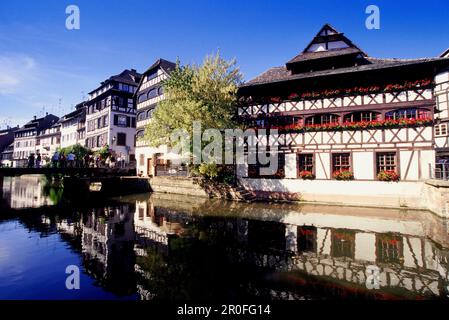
x: 431, y: 195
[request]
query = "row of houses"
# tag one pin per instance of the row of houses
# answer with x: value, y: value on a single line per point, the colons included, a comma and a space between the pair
x: 335, y: 107
x: 108, y: 118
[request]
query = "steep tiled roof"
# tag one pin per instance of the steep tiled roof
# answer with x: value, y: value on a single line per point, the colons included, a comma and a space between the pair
x: 131, y: 77
x: 279, y: 74
x: 317, y: 60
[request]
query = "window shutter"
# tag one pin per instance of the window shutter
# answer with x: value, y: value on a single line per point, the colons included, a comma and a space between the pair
x: 115, y: 119
x: 128, y: 122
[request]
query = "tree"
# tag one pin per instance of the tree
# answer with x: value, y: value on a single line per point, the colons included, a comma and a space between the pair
x: 206, y: 93
x: 78, y: 150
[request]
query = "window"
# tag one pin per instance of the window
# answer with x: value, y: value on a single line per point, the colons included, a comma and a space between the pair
x: 410, y: 113
x: 386, y: 161
x: 361, y: 116
x: 142, y: 98
x: 141, y: 116
x: 441, y: 130
x: 305, y: 162
x: 153, y: 93
x: 121, y: 139
x: 120, y: 120
x: 99, y: 123
x: 105, y: 121
x: 341, y: 162
x: 142, y: 160
x: 322, y: 119
x: 255, y: 172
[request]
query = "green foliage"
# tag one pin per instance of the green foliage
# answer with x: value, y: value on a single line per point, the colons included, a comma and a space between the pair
x: 209, y: 170
x: 104, y: 152
x: 388, y: 175
x: 343, y: 175
x: 205, y: 93
x: 78, y: 150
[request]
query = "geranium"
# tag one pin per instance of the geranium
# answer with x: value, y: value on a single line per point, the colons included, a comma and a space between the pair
x: 343, y: 175
x: 306, y: 175
x: 388, y: 175
x: 354, y: 125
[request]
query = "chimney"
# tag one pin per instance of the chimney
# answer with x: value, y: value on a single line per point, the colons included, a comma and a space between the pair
x: 34, y: 117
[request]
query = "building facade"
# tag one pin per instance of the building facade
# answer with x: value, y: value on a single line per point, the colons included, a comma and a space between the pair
x: 48, y: 142
x: 6, y: 146
x: 73, y: 127
x: 149, y: 93
x: 26, y: 138
x: 111, y: 115
x: 338, y: 110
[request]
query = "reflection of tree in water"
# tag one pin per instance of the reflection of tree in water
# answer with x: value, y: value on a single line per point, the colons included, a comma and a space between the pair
x: 53, y: 188
x: 198, y: 266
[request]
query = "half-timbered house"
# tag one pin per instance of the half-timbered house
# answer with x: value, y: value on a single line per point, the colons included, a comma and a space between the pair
x: 111, y: 115
x: 341, y: 114
x: 149, y: 93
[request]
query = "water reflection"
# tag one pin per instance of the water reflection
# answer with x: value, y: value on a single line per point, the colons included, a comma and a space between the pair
x: 25, y: 192
x: 174, y: 247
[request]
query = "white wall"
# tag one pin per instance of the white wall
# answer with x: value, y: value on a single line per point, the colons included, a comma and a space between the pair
x: 360, y: 193
x: 363, y: 163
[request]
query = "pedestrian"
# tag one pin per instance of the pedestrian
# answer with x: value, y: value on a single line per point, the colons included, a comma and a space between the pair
x: 38, y: 160
x: 55, y: 159
x: 62, y: 161
x: 31, y: 160
x: 71, y: 160
x: 86, y: 161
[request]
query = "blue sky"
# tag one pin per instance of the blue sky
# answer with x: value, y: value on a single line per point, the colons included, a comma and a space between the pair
x: 44, y: 65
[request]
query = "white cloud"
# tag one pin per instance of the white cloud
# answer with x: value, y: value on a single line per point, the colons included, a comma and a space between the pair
x: 14, y: 72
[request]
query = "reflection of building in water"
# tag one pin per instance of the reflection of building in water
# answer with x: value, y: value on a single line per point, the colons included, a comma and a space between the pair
x: 332, y: 245
x: 405, y: 261
x: 107, y: 244
x: 155, y: 227
x: 25, y: 192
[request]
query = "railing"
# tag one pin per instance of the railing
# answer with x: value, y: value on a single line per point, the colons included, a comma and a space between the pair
x: 171, y: 171
x: 440, y: 172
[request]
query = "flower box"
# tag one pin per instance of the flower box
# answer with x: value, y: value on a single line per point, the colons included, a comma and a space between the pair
x: 388, y: 176
x: 344, y: 175
x: 306, y: 175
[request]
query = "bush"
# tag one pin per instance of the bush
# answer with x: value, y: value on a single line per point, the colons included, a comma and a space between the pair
x: 209, y: 171
x: 306, y: 175
x: 388, y: 175
x: 343, y: 175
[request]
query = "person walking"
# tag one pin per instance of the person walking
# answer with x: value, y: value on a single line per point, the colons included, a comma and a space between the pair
x: 31, y: 160
x: 38, y: 160
x: 71, y: 160
x: 55, y: 159
x: 62, y: 161
x: 86, y: 161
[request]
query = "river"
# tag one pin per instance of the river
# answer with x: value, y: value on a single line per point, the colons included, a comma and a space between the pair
x: 169, y: 247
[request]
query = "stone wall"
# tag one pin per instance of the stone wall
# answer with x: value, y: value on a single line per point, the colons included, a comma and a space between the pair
x: 430, y: 195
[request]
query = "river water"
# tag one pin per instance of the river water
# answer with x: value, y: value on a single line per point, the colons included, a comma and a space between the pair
x: 168, y: 247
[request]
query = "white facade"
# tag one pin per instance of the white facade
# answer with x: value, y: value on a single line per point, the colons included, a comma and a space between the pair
x: 49, y: 142
x: 149, y: 94
x: 24, y: 146
x: 442, y: 99
x: 73, y: 131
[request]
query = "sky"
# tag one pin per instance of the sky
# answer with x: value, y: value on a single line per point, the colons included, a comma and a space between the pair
x: 44, y: 67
